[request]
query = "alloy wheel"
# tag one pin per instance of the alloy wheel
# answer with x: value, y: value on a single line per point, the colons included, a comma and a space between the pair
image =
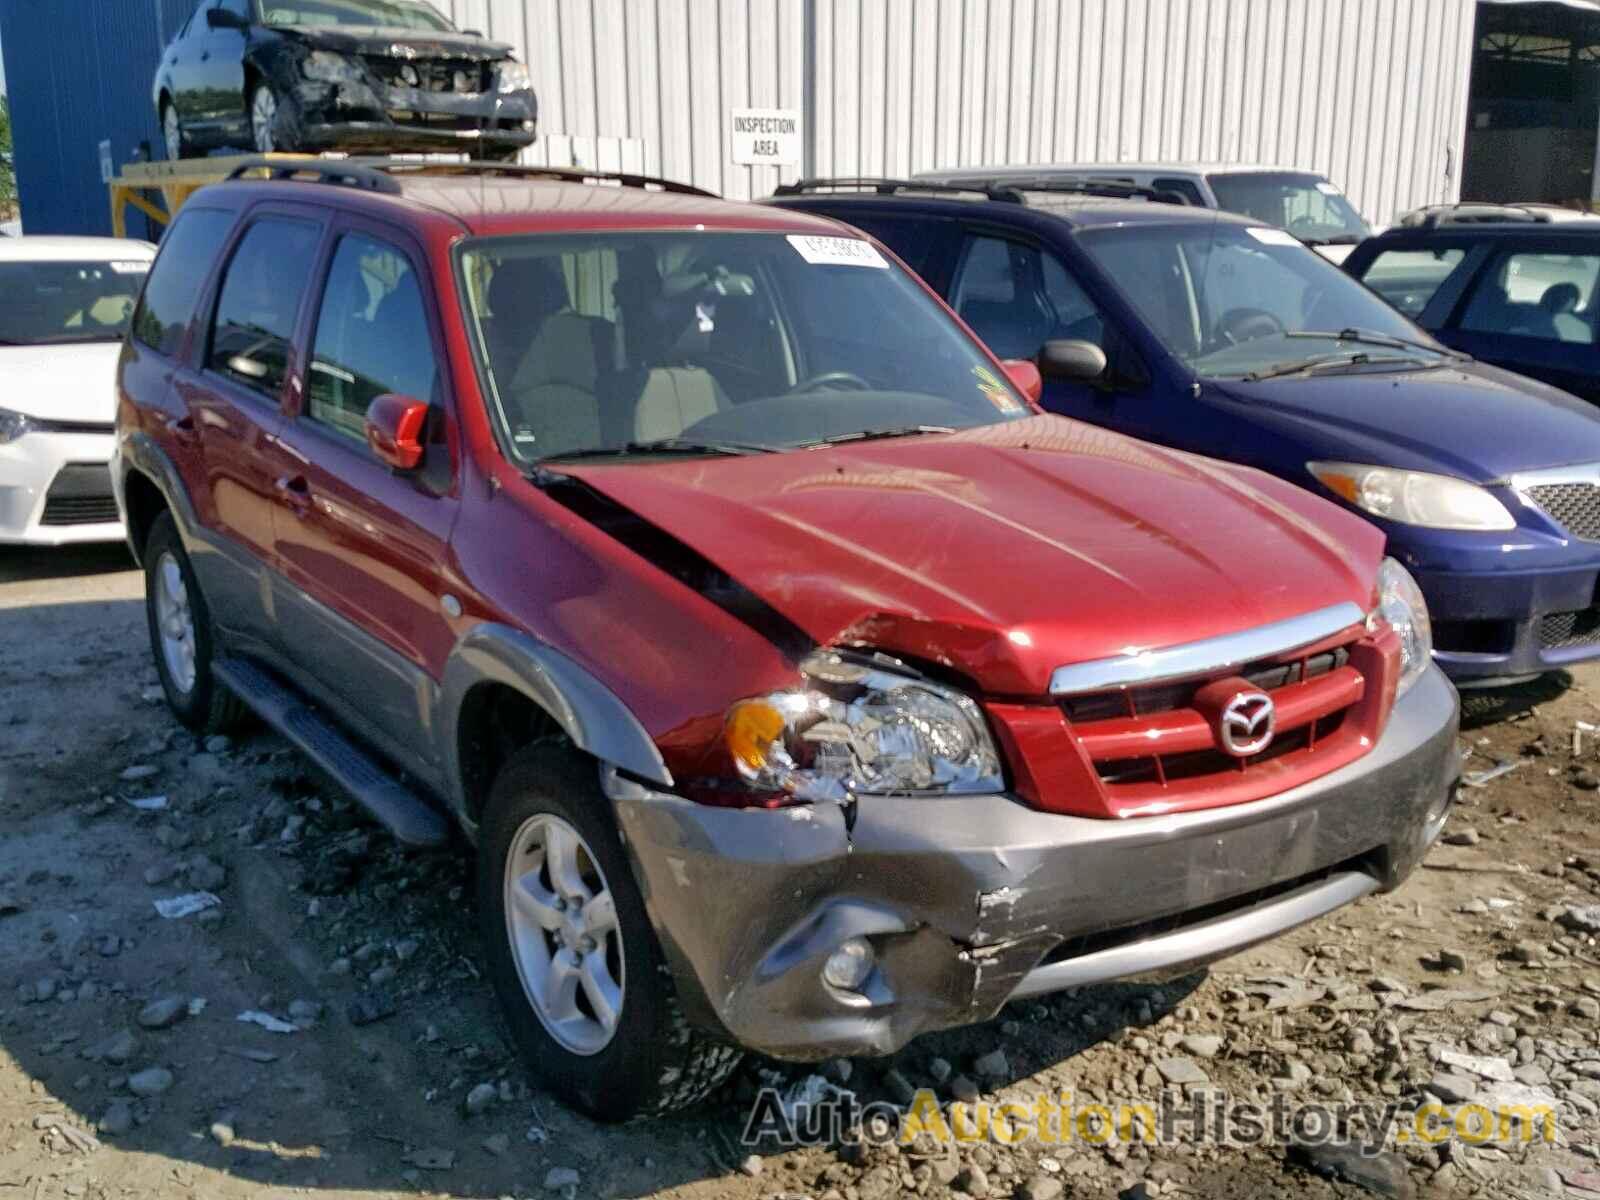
x: 263, y: 117
x: 561, y: 919
x: 173, y: 132
x: 175, y: 622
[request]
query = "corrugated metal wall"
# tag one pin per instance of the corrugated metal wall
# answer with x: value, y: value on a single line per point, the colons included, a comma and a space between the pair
x: 1371, y: 92
x: 78, y: 72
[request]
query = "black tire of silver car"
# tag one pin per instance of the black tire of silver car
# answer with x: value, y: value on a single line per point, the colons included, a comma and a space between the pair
x: 172, y: 134
x: 650, y: 1061
x: 176, y: 612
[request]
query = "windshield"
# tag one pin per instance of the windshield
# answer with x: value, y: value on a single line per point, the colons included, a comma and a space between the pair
x: 42, y: 303
x: 389, y: 14
x: 613, y: 342
x: 1308, y: 206
x: 1231, y: 300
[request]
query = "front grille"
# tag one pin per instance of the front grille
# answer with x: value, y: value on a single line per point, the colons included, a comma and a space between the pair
x: 439, y: 75
x: 1152, y: 748
x: 1573, y: 506
x: 80, y: 494
x: 1560, y: 631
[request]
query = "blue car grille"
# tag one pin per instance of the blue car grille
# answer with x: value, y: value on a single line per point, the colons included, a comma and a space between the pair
x: 1573, y: 506
x: 1559, y: 631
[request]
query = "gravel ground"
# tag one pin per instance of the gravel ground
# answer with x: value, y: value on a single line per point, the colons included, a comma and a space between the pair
x: 126, y: 1068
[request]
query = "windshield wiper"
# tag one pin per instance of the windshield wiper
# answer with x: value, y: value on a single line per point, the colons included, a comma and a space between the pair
x: 1370, y: 337
x: 874, y: 435
x: 661, y: 446
x: 1305, y: 366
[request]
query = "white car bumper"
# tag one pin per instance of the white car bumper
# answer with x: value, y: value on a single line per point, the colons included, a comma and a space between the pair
x: 55, y: 489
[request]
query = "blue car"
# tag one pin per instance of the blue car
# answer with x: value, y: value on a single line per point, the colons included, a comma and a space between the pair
x: 1226, y: 337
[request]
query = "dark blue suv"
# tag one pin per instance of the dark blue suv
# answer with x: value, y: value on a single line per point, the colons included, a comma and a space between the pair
x: 1226, y: 337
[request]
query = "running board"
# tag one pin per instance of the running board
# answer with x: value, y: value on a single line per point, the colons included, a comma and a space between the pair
x: 396, y: 807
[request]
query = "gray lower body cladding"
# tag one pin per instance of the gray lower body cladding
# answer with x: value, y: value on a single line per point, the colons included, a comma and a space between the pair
x: 970, y: 901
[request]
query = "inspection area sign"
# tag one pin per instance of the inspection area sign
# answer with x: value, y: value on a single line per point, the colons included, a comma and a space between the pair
x: 766, y: 137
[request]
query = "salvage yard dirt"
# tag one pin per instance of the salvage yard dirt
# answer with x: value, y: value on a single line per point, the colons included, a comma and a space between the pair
x: 323, y: 1030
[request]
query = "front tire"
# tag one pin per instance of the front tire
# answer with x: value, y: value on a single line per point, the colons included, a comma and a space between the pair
x: 571, y: 952
x: 181, y: 635
x: 275, y: 126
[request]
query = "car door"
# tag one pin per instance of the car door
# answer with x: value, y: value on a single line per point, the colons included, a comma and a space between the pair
x: 1017, y: 294
x: 233, y: 397
x: 362, y: 550
x: 1534, y: 309
x: 219, y: 71
x: 181, y: 65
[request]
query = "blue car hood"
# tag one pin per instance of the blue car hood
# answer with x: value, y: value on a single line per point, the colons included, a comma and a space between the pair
x: 1473, y: 421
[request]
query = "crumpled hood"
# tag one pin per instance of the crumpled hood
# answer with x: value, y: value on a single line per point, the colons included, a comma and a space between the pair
x: 1473, y: 421
x: 73, y: 382
x: 397, y: 43
x: 1006, y: 551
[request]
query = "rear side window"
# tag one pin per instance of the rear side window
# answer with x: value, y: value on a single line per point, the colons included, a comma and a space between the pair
x: 1186, y: 188
x: 170, y: 294
x: 1545, y: 296
x: 372, y: 337
x: 261, y: 294
x: 914, y: 241
x: 1409, y: 279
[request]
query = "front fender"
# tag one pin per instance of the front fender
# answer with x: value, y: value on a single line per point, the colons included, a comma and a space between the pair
x: 590, y: 714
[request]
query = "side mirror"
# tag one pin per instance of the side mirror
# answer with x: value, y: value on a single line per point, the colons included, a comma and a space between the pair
x: 1025, y: 376
x: 395, y: 425
x: 223, y: 18
x: 1068, y: 359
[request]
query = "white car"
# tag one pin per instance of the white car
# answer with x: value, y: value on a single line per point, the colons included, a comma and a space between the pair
x: 1303, y: 202
x: 65, y: 304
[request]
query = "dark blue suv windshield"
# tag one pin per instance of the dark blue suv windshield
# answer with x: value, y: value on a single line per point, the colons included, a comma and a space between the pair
x: 1232, y: 300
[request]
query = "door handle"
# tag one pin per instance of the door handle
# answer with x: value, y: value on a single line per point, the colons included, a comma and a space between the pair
x: 183, y: 430
x: 295, y: 493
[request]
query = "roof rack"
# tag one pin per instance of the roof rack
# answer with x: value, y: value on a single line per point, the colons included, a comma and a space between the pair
x: 337, y: 171
x: 892, y: 187
x: 1082, y: 185
x: 1469, y: 213
x: 378, y: 174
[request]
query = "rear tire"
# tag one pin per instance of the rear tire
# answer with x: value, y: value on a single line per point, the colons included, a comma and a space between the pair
x: 172, y: 131
x: 181, y: 636
x: 646, y: 1059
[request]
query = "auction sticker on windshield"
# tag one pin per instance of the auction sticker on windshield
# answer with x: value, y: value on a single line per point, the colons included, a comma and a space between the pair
x: 1271, y: 237
x: 837, y: 251
x: 135, y: 267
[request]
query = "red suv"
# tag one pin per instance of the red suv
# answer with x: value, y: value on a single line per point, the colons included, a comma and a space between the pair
x: 801, y: 686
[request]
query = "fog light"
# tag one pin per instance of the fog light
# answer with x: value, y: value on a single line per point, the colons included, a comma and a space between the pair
x: 847, y: 967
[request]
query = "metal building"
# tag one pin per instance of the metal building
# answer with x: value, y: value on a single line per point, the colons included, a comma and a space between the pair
x: 1371, y: 92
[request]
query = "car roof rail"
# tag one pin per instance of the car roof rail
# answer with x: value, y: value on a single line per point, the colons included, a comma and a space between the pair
x: 479, y: 169
x: 336, y: 171
x: 1473, y: 213
x: 1084, y: 185
x: 379, y: 174
x: 893, y: 187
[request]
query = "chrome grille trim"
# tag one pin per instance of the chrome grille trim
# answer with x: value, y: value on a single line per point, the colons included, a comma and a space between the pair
x: 1205, y: 656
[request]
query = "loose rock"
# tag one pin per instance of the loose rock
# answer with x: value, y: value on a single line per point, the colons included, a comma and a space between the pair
x: 164, y: 1013
x: 150, y: 1082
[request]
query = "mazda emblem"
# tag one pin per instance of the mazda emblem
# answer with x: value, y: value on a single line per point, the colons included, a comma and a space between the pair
x: 1246, y: 724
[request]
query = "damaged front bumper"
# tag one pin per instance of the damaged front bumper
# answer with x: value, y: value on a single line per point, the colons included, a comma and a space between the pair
x: 375, y: 117
x: 972, y: 901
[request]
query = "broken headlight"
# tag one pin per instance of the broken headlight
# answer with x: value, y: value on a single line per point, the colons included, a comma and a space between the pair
x: 323, y: 66
x: 859, y: 726
x: 513, y: 77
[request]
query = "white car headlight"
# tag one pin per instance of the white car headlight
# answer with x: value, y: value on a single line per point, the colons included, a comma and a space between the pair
x: 324, y: 66
x: 12, y: 425
x: 1400, y: 603
x: 1414, y: 497
x: 514, y: 77
x: 860, y: 727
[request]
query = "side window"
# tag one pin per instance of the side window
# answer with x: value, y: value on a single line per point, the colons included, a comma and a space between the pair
x: 239, y: 8
x: 1408, y: 279
x: 173, y: 288
x: 1187, y: 188
x: 1017, y: 297
x: 913, y: 241
x: 261, y: 293
x: 1547, y: 296
x: 372, y: 337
